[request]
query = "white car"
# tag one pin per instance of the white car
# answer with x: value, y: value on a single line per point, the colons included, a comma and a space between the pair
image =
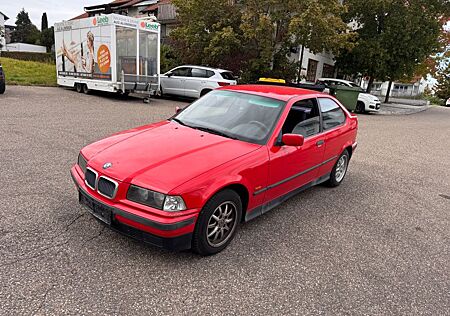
x: 447, y: 103
x: 366, y: 101
x: 194, y: 81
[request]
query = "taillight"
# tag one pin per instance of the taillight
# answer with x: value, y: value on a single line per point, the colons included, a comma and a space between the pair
x: 223, y: 84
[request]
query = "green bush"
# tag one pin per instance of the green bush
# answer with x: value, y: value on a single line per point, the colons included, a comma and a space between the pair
x: 39, y: 57
x: 434, y: 99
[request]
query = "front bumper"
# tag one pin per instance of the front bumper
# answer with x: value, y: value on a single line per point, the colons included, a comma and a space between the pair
x: 174, y: 235
x: 374, y: 106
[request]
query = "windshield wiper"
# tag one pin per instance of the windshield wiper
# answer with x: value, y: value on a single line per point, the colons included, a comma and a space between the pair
x: 215, y: 132
x: 179, y: 121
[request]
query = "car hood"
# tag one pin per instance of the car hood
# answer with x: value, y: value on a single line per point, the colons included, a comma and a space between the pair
x: 163, y: 156
x: 368, y: 97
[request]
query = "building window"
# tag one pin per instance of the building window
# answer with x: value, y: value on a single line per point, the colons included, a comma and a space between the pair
x: 401, y: 88
x: 328, y: 71
x: 376, y: 87
x: 312, y: 70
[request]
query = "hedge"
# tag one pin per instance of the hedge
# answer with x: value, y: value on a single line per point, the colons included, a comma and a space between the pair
x: 40, y: 57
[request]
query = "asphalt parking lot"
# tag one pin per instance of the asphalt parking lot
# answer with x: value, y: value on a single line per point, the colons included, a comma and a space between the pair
x: 378, y: 244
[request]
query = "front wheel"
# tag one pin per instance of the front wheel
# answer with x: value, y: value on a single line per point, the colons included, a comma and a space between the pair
x: 217, y: 223
x: 360, y: 107
x: 339, y: 170
x: 79, y: 87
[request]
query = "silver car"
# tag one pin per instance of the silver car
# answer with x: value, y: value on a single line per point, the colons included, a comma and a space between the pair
x: 194, y: 81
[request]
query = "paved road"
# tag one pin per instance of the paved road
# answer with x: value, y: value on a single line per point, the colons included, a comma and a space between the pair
x: 378, y: 244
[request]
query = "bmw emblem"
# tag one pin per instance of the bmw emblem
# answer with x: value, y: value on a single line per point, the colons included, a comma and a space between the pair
x: 107, y: 165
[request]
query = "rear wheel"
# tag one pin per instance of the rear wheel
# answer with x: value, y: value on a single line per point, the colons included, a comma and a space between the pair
x: 205, y: 91
x: 2, y: 87
x: 85, y: 89
x: 217, y: 223
x: 339, y: 170
x: 79, y: 87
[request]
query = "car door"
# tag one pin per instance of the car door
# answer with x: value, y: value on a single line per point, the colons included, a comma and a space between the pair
x: 175, y: 83
x: 196, y: 82
x: 333, y: 118
x: 294, y: 167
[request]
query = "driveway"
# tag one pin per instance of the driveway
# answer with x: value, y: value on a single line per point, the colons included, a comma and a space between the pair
x: 378, y: 244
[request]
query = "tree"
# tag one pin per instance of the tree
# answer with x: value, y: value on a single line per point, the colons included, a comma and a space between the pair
x: 25, y: 32
x: 442, y: 88
x: 44, y: 22
x: 256, y: 37
x: 169, y: 58
x: 48, y: 38
x: 394, y: 37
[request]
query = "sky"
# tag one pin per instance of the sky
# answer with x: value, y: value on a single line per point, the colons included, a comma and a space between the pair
x: 57, y: 10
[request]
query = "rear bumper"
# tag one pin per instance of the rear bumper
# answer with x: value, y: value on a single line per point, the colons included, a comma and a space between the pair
x: 176, y: 235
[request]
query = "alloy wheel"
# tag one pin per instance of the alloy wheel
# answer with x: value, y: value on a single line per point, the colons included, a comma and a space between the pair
x: 221, y: 224
x: 341, y: 168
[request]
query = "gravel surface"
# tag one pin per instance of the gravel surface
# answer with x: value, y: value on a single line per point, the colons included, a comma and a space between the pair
x: 378, y: 244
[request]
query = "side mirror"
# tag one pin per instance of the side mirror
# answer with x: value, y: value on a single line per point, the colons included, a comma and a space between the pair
x: 292, y: 140
x: 178, y: 110
x: 169, y: 74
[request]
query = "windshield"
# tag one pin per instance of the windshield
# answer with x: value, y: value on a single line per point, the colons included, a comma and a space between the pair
x: 236, y: 115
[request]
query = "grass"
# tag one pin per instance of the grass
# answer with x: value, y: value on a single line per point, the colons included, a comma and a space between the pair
x: 28, y: 73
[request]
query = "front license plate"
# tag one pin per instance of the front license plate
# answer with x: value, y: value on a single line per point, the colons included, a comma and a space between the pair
x: 99, y: 211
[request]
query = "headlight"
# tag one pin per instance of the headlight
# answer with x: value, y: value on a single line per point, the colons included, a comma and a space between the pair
x: 82, y: 162
x: 155, y: 199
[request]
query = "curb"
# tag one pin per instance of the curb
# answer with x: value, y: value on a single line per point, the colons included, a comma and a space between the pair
x: 403, y: 111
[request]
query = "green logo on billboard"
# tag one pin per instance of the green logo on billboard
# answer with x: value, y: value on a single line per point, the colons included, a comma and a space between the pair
x: 149, y: 26
x: 101, y: 20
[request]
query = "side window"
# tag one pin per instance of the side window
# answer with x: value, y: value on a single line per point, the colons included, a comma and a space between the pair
x: 303, y: 119
x: 199, y: 73
x: 182, y: 72
x: 332, y: 114
x: 209, y: 73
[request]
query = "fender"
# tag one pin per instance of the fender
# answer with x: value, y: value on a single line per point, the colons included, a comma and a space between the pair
x: 250, y: 171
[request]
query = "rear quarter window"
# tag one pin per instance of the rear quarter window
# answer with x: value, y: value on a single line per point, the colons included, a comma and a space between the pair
x: 332, y: 114
x: 227, y: 75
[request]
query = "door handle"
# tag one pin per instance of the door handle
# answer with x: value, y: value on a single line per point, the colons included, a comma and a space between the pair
x: 319, y: 143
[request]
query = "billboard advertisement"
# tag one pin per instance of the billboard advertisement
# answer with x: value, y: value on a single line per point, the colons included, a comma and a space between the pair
x: 83, y: 48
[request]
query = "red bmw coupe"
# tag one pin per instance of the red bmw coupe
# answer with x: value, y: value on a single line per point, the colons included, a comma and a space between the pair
x: 236, y: 153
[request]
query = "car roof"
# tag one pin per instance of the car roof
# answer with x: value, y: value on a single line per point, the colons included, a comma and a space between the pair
x: 334, y: 79
x: 206, y: 68
x: 271, y: 91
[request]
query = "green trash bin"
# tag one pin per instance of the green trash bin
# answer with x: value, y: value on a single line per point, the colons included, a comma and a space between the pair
x: 348, y: 96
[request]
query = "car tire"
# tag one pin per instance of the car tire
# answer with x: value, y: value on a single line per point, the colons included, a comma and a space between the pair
x: 360, y: 107
x: 339, y: 170
x: 204, y: 91
x: 212, y: 232
x: 85, y: 89
x: 2, y: 87
x: 79, y: 87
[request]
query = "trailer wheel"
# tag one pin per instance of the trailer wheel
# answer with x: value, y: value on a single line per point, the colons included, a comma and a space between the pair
x: 78, y: 87
x: 85, y: 89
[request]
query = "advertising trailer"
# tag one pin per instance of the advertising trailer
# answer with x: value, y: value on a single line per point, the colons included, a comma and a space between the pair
x: 110, y: 52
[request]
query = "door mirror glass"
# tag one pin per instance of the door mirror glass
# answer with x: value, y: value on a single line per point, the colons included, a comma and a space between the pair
x: 292, y: 140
